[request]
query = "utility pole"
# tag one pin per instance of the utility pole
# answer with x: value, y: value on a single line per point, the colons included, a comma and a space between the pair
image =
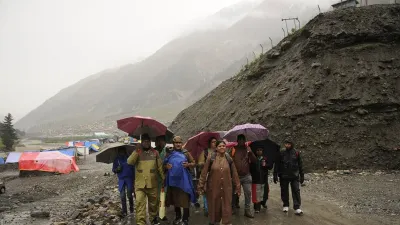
x: 271, y: 42
x: 262, y: 49
x: 287, y: 29
x: 284, y: 34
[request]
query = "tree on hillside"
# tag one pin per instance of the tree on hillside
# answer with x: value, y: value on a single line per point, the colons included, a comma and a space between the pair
x: 8, y: 133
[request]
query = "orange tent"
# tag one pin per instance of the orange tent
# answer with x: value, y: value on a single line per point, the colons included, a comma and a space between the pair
x: 53, y: 161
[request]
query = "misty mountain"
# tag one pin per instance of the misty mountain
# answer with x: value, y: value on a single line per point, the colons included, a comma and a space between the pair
x: 175, y: 76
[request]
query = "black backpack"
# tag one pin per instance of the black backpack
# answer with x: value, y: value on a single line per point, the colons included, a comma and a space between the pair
x: 227, y: 156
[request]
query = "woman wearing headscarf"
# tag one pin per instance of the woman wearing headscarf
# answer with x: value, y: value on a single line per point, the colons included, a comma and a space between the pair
x: 217, y: 179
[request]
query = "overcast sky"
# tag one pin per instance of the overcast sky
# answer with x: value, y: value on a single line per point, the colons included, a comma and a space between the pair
x: 47, y: 45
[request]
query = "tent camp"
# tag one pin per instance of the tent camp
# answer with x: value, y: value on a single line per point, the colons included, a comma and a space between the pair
x: 52, y: 161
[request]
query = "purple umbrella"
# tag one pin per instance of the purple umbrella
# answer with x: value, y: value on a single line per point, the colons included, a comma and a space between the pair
x: 253, y: 132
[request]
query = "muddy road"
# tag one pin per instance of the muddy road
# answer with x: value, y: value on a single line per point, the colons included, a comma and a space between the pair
x: 328, y: 198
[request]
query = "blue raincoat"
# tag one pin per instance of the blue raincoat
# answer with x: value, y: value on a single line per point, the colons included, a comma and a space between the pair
x: 127, y: 176
x: 178, y: 176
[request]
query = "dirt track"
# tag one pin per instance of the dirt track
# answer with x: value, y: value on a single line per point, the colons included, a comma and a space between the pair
x: 323, y: 202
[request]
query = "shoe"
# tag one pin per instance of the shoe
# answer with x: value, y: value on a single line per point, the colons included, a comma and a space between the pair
x: 197, y: 205
x: 131, y: 210
x: 237, y: 206
x: 206, y: 213
x: 257, y: 211
x: 164, y: 219
x: 248, y: 213
x: 264, y: 205
x: 177, y: 222
x: 185, y: 222
x: 298, y: 212
x: 285, y: 209
x: 155, y: 221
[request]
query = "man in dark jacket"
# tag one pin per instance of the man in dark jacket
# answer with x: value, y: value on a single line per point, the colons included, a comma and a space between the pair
x: 289, y: 169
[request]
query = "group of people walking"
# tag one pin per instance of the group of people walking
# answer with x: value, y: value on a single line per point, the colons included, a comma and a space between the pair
x: 224, y: 172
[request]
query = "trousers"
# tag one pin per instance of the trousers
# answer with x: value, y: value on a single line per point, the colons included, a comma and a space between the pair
x: 245, y: 182
x: 126, y: 191
x: 146, y: 196
x: 295, y: 186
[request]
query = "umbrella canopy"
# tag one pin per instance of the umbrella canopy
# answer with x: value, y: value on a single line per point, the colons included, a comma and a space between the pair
x: 271, y: 150
x: 109, y: 152
x: 196, y: 144
x: 253, y: 132
x: 138, y: 125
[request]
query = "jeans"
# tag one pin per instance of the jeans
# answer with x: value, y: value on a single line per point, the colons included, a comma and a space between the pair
x: 245, y: 182
x: 125, y: 190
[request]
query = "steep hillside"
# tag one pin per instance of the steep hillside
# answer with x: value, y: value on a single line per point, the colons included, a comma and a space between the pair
x: 333, y: 87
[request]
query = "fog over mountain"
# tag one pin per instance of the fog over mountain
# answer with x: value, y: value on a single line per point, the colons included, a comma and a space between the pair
x: 179, y: 73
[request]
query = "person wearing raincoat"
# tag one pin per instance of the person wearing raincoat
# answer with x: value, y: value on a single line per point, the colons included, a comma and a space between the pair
x: 218, y: 180
x: 126, y: 176
x: 148, y: 168
x: 179, y: 181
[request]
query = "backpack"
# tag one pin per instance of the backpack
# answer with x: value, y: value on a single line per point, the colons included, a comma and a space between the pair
x: 214, y: 156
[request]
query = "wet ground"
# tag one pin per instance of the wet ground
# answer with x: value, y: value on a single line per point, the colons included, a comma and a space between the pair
x: 315, y: 212
x: 333, y: 199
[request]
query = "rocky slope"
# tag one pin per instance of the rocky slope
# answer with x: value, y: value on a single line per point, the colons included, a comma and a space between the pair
x: 333, y: 87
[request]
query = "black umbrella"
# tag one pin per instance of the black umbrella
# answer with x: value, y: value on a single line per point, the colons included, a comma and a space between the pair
x: 109, y: 151
x: 271, y: 150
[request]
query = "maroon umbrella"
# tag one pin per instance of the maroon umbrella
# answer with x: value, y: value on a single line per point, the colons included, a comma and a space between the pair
x: 138, y: 125
x: 196, y: 144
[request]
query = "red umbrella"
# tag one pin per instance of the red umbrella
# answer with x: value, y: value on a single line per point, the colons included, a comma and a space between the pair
x: 196, y: 144
x: 138, y: 125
